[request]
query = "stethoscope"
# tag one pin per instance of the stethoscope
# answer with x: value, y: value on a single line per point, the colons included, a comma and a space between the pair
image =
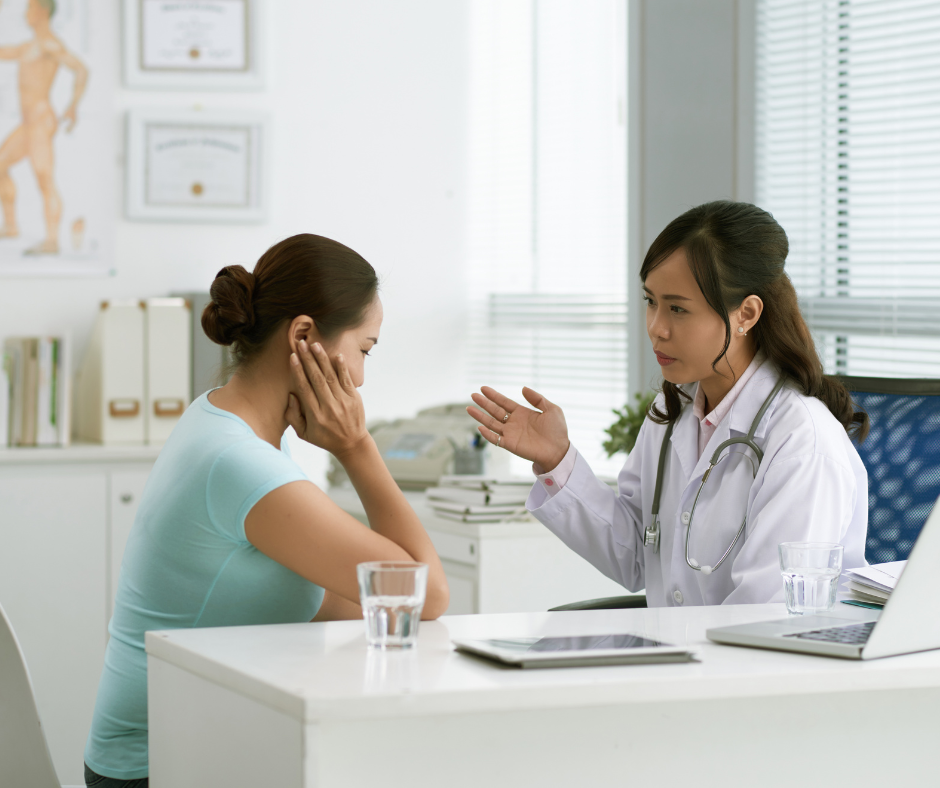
x: 651, y: 538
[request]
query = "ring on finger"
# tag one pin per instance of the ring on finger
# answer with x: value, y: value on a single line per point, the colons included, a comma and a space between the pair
x: 506, y: 417
x: 498, y: 439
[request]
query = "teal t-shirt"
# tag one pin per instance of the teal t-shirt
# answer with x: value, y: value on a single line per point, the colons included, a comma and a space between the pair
x: 188, y: 564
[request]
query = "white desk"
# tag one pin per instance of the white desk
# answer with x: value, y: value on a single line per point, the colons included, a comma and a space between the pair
x: 309, y: 705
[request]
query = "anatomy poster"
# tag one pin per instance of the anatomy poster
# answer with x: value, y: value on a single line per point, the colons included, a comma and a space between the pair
x: 57, y: 160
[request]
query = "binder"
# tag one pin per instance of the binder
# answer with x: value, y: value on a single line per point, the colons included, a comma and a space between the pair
x: 46, y: 434
x: 168, y: 373
x: 13, y: 350
x: 109, y: 390
x: 34, y: 401
x: 30, y: 391
x: 5, y: 386
x: 62, y: 389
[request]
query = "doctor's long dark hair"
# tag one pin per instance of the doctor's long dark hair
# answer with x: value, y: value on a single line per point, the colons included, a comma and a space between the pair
x: 735, y: 250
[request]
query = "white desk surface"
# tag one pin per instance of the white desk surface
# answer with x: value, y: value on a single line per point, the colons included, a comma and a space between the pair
x: 323, y: 672
x: 347, y: 499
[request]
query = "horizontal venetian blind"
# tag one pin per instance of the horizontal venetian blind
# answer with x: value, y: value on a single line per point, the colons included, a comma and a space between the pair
x: 848, y: 161
x: 547, y: 224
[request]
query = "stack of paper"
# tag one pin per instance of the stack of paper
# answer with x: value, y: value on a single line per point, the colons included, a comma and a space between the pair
x: 873, y: 584
x: 479, y: 499
x: 34, y: 405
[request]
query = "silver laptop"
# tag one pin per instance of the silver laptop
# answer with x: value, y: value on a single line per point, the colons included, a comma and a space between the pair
x: 910, y: 621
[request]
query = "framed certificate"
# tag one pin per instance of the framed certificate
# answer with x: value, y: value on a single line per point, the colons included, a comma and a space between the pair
x: 196, y: 166
x: 196, y: 44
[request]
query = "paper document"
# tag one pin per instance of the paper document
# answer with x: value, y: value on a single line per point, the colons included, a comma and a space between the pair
x: 881, y: 576
x: 491, y: 483
x: 873, y: 584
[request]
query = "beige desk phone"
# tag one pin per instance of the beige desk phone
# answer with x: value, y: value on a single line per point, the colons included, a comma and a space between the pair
x: 438, y: 441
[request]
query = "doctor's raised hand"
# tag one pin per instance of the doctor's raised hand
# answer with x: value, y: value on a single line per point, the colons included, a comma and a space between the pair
x: 540, y: 435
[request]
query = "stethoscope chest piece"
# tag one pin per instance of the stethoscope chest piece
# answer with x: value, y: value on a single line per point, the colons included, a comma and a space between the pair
x: 651, y: 536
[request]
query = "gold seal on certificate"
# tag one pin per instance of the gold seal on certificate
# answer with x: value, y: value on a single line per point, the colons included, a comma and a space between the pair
x: 203, y: 35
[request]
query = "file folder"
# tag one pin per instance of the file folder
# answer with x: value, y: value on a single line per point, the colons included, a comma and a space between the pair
x: 52, y: 416
x: 109, y: 390
x: 5, y: 385
x: 14, y: 361
x: 168, y: 371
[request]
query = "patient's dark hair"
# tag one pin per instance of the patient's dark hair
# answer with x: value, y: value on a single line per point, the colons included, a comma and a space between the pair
x: 302, y: 275
x: 735, y: 249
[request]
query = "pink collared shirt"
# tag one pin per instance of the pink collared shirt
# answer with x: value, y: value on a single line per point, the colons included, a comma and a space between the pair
x: 555, y: 479
x: 708, y: 424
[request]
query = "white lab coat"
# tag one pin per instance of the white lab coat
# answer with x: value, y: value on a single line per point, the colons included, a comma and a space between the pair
x: 811, y: 486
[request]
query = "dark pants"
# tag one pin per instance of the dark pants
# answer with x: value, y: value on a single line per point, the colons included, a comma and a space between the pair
x: 93, y: 780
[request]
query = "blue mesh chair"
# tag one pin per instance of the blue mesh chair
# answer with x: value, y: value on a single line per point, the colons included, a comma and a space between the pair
x: 902, y: 456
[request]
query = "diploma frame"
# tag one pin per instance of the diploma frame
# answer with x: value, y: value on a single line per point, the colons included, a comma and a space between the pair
x: 252, y: 128
x: 247, y: 75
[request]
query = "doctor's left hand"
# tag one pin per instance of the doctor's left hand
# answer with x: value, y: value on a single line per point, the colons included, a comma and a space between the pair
x: 325, y: 408
x: 540, y: 436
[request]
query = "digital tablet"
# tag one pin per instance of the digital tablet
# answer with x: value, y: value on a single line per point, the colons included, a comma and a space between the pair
x: 574, y: 650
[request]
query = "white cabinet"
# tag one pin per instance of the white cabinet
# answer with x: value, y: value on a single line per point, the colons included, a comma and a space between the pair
x: 63, y: 527
x: 508, y: 567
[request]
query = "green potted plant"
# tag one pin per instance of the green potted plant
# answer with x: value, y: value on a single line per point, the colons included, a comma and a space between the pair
x: 624, y: 431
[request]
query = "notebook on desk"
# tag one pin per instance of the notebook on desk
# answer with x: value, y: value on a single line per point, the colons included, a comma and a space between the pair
x: 909, y: 622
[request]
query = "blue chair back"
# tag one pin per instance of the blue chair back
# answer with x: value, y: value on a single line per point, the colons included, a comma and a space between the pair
x: 902, y: 456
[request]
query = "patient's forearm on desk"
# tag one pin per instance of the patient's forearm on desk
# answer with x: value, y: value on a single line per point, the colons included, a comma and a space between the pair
x: 337, y: 608
x: 392, y: 516
x: 388, y: 512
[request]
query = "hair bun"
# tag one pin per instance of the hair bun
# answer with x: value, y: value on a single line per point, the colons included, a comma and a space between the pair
x: 230, y: 314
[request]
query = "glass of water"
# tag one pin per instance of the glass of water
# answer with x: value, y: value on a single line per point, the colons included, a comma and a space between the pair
x: 811, y: 573
x: 392, y: 596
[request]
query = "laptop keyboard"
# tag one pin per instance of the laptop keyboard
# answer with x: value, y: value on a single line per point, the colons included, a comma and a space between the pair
x: 852, y: 635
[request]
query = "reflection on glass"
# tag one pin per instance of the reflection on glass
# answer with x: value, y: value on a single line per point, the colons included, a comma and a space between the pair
x: 577, y: 643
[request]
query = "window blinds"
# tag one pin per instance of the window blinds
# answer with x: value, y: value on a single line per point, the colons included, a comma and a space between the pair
x: 848, y: 161
x: 548, y: 191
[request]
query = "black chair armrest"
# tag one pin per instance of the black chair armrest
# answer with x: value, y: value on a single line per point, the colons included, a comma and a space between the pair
x: 605, y: 603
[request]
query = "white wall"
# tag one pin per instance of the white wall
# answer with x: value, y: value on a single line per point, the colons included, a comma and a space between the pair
x: 691, y: 127
x: 369, y: 107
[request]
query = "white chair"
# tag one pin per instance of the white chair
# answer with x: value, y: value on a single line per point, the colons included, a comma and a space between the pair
x: 24, y: 754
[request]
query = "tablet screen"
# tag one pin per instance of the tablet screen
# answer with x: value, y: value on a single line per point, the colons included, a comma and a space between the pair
x: 579, y: 643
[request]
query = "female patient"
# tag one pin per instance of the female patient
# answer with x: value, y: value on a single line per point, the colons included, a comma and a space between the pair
x: 229, y: 530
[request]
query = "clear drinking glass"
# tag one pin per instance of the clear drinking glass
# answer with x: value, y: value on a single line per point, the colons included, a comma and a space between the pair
x: 811, y: 573
x: 392, y: 596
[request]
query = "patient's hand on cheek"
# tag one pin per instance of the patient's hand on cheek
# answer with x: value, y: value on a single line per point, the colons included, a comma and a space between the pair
x: 325, y: 409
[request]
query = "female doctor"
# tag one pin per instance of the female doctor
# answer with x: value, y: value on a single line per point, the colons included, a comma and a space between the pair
x: 695, y: 525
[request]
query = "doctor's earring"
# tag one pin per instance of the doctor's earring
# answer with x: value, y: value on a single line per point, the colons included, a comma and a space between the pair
x: 741, y: 330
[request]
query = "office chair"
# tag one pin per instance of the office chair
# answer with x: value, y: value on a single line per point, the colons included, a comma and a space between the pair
x: 24, y: 754
x: 902, y: 457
